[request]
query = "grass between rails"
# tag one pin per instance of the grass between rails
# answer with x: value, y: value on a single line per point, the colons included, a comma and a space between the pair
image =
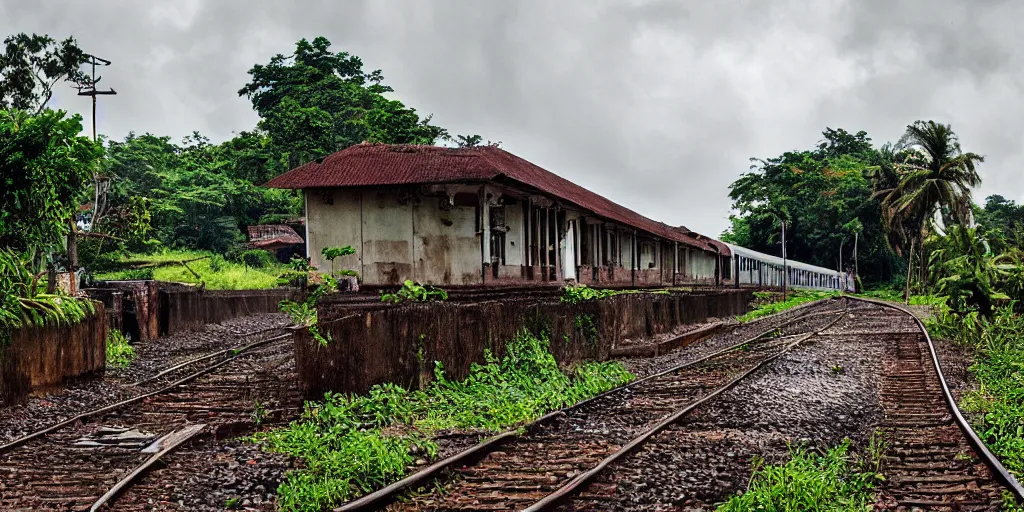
x: 217, y: 272
x: 354, y: 444
x: 837, y: 480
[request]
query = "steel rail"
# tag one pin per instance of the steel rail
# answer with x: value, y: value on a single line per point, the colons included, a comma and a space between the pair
x: 203, y: 358
x: 999, y: 471
x: 386, y: 494
x: 184, y: 380
x: 553, y: 499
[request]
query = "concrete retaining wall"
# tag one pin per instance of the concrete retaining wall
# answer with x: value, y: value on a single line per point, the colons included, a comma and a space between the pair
x: 42, y: 357
x: 400, y: 343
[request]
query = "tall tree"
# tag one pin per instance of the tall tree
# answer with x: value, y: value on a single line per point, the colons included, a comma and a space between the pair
x: 315, y: 102
x: 935, y: 174
x: 32, y: 65
x: 824, y: 195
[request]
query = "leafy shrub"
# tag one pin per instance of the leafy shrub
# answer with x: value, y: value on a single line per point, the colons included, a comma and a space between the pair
x: 415, y: 292
x: 354, y: 444
x: 23, y: 301
x: 257, y: 258
x: 119, y: 352
x: 581, y: 292
x: 836, y: 480
x: 330, y: 253
x: 304, y: 312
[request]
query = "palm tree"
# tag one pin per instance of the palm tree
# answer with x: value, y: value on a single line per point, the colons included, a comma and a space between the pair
x: 934, y: 174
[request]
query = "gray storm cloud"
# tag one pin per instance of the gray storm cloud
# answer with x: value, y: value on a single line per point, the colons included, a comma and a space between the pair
x: 657, y: 105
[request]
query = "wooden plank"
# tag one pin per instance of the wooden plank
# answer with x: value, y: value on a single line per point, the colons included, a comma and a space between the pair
x: 163, y: 446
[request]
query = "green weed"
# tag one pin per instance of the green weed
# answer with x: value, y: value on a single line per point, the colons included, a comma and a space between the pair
x: 581, y: 292
x: 119, y: 352
x: 354, y: 444
x: 796, y: 297
x: 837, y: 480
x: 996, y: 406
x: 415, y: 292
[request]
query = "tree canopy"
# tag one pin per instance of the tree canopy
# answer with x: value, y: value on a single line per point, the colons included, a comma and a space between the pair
x: 824, y: 195
x: 315, y: 102
x: 44, y: 168
x: 32, y: 65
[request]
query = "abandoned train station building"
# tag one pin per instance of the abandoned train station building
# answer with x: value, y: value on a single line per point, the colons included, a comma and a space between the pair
x: 482, y: 216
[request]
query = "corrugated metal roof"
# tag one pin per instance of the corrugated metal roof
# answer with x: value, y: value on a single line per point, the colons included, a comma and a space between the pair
x: 389, y: 164
x: 273, y: 234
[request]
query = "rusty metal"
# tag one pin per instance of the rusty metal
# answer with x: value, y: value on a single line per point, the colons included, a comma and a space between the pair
x: 112, y: 407
x: 919, y: 389
x: 551, y: 500
x: 166, y: 445
x: 65, y: 470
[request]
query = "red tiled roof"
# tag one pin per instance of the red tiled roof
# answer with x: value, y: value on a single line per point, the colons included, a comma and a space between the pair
x: 387, y: 164
x: 273, y: 234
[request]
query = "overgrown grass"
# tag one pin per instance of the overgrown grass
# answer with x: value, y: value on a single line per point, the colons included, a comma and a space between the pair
x: 796, y: 297
x: 119, y: 352
x: 897, y: 296
x: 996, y: 406
x: 837, y: 480
x: 354, y: 444
x: 213, y: 269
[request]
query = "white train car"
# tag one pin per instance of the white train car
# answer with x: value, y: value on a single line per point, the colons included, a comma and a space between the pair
x: 752, y: 268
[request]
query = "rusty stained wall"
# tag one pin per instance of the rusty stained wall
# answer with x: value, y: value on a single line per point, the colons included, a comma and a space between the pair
x: 189, y: 308
x: 400, y: 343
x: 42, y: 357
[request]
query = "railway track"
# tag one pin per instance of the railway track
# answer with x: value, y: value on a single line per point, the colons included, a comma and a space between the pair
x: 562, y: 450
x: 932, y: 463
x: 84, y: 462
x: 935, y: 460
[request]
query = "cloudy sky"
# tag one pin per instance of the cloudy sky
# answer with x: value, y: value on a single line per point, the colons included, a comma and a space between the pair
x: 657, y: 105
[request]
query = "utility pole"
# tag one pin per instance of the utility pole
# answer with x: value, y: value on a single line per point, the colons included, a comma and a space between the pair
x: 856, y: 270
x: 785, y: 266
x: 100, y: 185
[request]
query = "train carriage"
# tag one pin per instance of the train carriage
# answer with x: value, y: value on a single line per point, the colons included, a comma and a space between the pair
x: 752, y: 268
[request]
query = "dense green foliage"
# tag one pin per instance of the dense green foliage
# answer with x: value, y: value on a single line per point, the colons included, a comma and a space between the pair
x: 44, y: 169
x: 581, y: 292
x: 316, y: 102
x: 825, y: 196
x: 25, y: 303
x: 119, y: 352
x: 838, y: 480
x: 997, y: 404
x: 354, y: 444
x: 31, y: 65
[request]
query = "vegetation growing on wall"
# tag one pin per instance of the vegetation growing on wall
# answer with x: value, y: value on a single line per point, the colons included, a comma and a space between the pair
x: 414, y: 292
x: 25, y: 301
x: 353, y: 444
